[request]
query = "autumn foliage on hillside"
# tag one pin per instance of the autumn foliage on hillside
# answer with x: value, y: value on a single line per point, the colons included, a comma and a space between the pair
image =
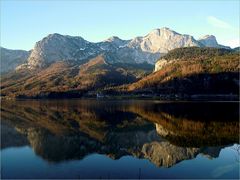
x: 194, y: 70
x: 68, y: 79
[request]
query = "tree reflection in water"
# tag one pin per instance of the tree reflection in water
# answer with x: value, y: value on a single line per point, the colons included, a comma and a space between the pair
x: 163, y: 132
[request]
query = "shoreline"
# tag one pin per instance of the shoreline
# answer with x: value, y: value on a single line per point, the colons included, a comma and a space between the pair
x: 194, y: 97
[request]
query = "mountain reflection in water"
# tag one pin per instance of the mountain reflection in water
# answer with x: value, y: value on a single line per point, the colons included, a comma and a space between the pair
x: 165, y: 133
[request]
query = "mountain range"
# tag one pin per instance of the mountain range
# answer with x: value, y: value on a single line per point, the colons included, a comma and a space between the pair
x: 56, y: 47
x: 67, y: 66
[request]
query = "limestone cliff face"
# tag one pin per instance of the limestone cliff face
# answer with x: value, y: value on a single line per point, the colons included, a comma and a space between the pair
x: 211, y: 41
x: 162, y: 63
x: 10, y: 59
x: 56, y: 47
x: 157, y: 43
x: 195, y: 54
x: 163, y: 40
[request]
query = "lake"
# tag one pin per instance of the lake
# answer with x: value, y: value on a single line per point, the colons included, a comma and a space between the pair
x: 119, y: 139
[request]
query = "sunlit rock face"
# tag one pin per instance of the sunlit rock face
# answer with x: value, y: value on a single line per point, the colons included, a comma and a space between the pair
x: 211, y: 41
x: 155, y: 44
x: 160, y: 64
x: 56, y: 47
x: 163, y: 40
x: 149, y: 48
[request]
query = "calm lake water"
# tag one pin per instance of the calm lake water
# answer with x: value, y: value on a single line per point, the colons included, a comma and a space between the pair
x: 119, y: 139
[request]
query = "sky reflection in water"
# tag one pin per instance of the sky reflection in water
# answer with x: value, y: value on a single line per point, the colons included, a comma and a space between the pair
x: 119, y: 139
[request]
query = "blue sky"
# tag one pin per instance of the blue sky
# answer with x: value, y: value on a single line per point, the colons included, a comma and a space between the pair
x: 25, y: 22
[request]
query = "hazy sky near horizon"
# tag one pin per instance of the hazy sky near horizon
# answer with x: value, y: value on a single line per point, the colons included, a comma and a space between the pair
x: 25, y: 22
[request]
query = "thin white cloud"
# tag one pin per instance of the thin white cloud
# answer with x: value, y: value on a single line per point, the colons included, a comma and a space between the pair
x: 219, y: 23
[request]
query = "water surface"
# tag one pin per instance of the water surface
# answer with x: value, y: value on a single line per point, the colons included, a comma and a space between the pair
x: 119, y: 139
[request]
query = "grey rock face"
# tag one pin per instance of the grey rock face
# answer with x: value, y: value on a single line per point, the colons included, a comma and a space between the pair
x: 210, y: 41
x: 10, y: 59
x: 115, y: 42
x: 160, y: 41
x: 157, y: 43
x: 56, y: 47
x: 206, y: 41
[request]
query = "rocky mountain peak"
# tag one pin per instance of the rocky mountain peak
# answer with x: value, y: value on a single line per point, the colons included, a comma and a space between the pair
x: 208, y: 37
x: 113, y: 38
x: 149, y: 48
x: 54, y: 35
x: 155, y: 32
x: 116, y: 41
x: 57, y: 47
x: 162, y: 32
x: 211, y: 41
x: 208, y: 40
x: 163, y: 40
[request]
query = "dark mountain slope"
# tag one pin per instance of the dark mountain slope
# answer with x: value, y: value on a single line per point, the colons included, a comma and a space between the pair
x: 69, y: 79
